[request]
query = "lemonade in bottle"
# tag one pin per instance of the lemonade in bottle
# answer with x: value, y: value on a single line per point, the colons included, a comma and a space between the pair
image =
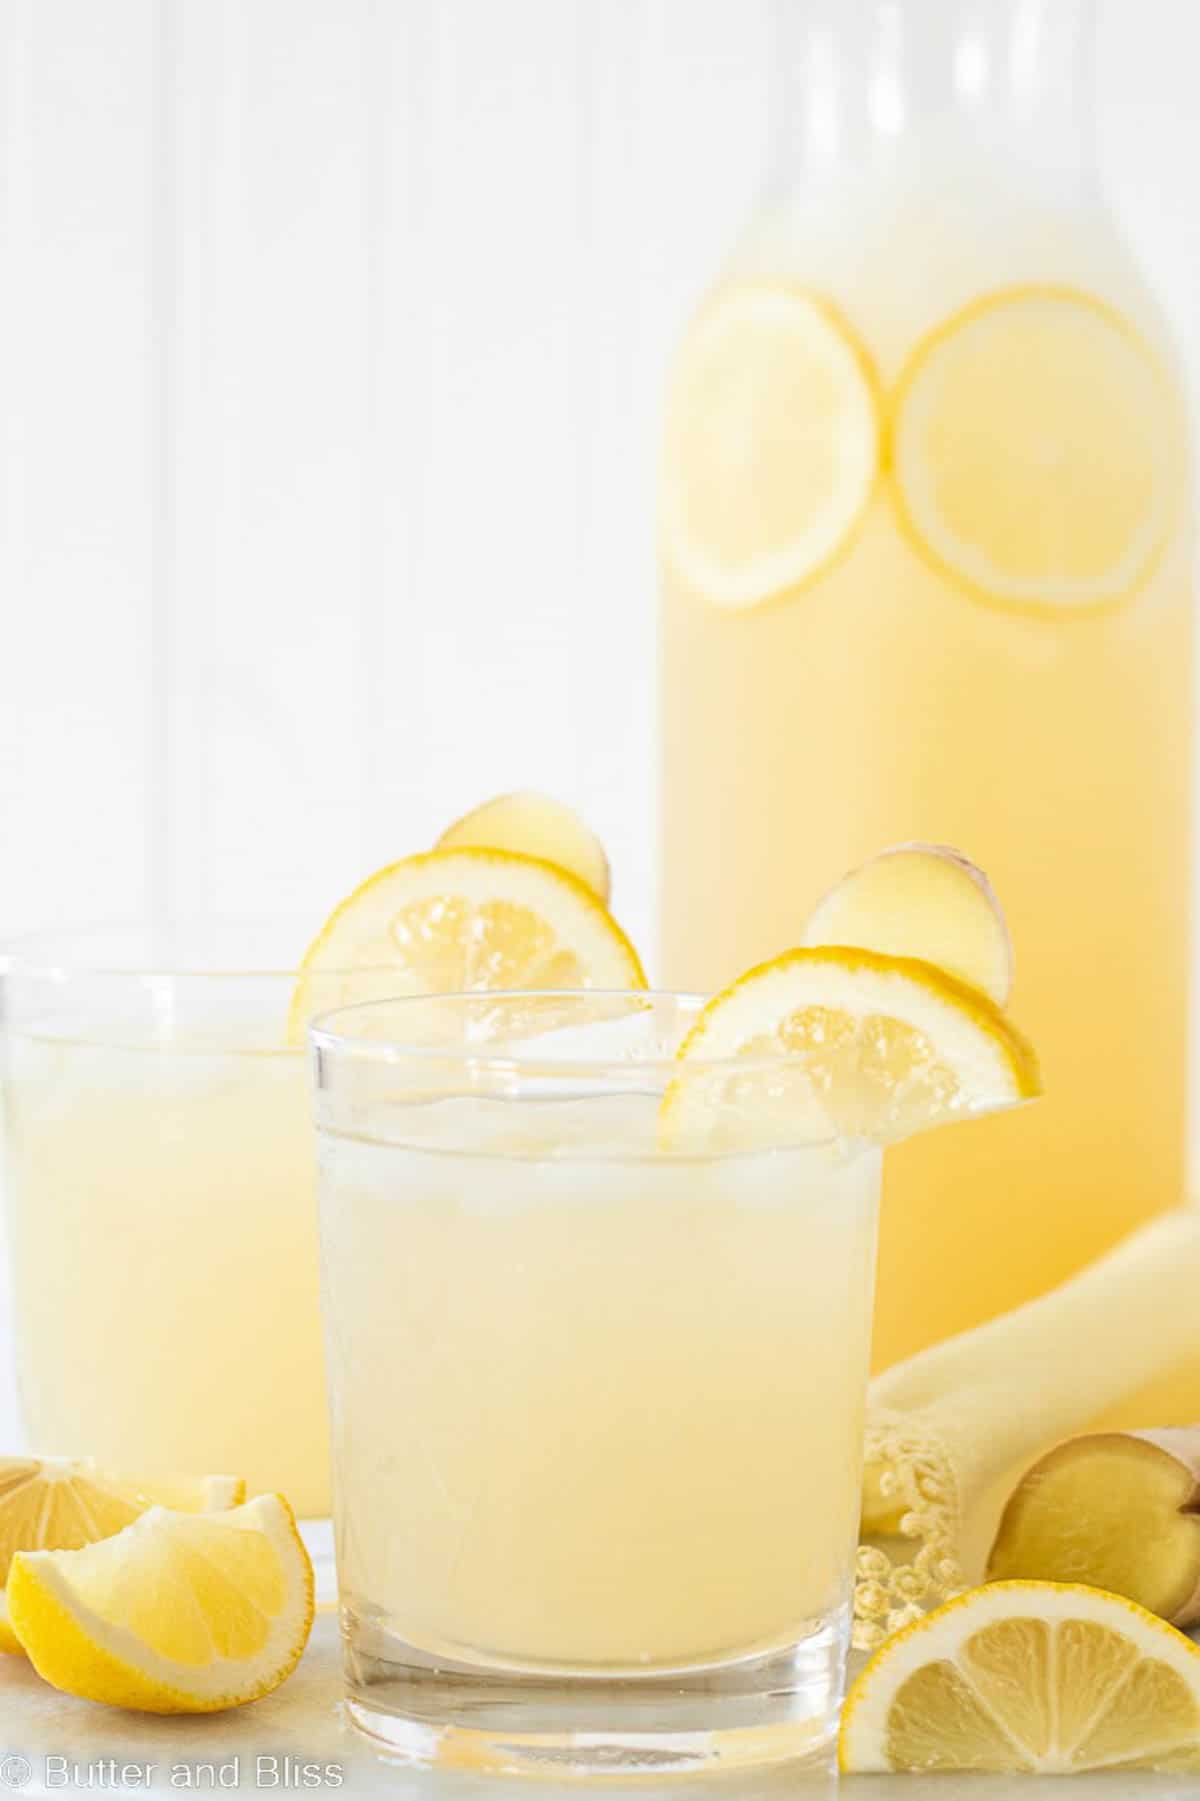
x: 925, y: 574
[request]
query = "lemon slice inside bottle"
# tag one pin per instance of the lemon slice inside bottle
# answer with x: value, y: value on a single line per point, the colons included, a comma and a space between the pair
x: 772, y: 444
x: 1036, y: 450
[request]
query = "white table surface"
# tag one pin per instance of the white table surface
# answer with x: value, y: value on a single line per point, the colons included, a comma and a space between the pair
x: 303, y: 1721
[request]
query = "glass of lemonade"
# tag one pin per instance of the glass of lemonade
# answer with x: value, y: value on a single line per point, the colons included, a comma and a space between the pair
x: 161, y: 1206
x: 596, y: 1403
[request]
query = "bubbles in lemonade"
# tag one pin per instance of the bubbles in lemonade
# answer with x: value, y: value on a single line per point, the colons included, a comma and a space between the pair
x: 602, y: 1370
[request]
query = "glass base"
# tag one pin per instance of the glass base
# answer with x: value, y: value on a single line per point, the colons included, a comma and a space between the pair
x: 779, y: 1707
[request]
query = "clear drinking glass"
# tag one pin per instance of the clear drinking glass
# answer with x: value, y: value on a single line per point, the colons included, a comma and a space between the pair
x: 596, y: 1402
x: 161, y: 1206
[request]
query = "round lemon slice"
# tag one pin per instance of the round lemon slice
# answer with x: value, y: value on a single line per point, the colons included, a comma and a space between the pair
x: 772, y: 444
x: 884, y: 1046
x: 179, y: 1613
x: 453, y: 921
x: 535, y: 825
x: 1032, y: 1677
x: 922, y: 900
x: 60, y: 1504
x: 1035, y: 450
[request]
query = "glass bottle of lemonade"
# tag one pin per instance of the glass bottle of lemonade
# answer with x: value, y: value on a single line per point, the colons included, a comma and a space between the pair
x: 925, y: 574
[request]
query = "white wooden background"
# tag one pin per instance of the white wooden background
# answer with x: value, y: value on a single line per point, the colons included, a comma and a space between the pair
x: 330, y: 340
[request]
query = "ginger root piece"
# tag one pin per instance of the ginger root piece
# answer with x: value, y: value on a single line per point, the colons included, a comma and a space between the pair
x: 536, y: 825
x: 922, y: 900
x: 1117, y: 1510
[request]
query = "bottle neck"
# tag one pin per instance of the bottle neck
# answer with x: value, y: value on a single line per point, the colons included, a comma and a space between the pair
x: 858, y: 82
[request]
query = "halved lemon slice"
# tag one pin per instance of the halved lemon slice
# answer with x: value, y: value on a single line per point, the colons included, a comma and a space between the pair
x: 59, y: 1504
x: 881, y: 1046
x: 450, y: 921
x: 772, y: 444
x: 179, y: 1613
x: 535, y: 825
x: 1036, y: 450
x: 922, y: 900
x: 1036, y: 1677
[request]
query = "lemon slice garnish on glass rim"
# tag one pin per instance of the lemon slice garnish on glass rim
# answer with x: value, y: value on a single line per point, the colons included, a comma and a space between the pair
x: 1035, y: 457
x: 1030, y: 1677
x: 885, y: 1046
x: 61, y: 1504
x: 772, y: 444
x: 457, y: 921
x: 178, y: 1613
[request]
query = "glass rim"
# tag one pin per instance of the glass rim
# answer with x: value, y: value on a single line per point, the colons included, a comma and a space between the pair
x: 46, y: 953
x: 327, y: 1034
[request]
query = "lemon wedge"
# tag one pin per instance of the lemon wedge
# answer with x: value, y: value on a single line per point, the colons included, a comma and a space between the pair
x: 772, y: 444
x: 453, y: 921
x: 922, y: 900
x: 535, y: 825
x: 60, y: 1504
x: 1031, y: 1677
x: 880, y: 1046
x: 1036, y: 450
x: 178, y: 1613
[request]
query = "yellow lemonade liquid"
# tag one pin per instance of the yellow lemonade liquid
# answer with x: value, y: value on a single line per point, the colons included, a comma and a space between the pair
x: 593, y: 1412
x: 164, y: 1254
x: 925, y: 574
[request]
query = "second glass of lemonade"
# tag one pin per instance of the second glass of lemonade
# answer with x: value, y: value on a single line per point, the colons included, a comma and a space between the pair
x: 161, y: 1206
x: 597, y: 1402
